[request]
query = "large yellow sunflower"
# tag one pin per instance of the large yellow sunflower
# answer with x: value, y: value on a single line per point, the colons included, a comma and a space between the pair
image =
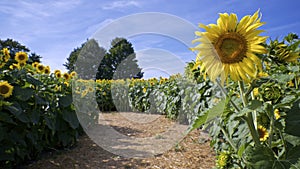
x: 21, y: 57
x: 229, y: 47
x: 5, y: 89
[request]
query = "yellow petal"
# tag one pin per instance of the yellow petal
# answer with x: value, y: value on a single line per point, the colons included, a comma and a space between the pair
x: 233, y: 72
x: 232, y: 22
x: 257, y: 48
x: 242, y: 23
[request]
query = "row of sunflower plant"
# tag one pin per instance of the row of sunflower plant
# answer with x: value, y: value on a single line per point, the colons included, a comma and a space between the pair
x: 256, y: 122
x: 174, y: 97
x: 36, y: 113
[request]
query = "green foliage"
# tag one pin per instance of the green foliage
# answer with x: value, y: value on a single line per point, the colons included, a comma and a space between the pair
x: 38, y: 116
x: 94, y: 62
x: 271, y: 101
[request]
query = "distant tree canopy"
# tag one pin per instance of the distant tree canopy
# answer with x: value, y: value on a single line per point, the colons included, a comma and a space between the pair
x: 15, y: 46
x: 118, y: 63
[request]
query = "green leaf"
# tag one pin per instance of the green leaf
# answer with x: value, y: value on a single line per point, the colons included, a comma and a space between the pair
x: 241, y: 150
x: 254, y: 104
x: 284, y: 78
x: 293, y: 120
x: 210, y: 114
x: 40, y: 100
x: 34, y: 116
x: 23, y: 93
x: 259, y: 157
x: 293, y: 154
x: 50, y: 123
x: 294, y: 140
x: 5, y: 155
x: 296, y: 166
x: 6, y: 118
x: 71, y: 118
x: 23, y: 117
x: 2, y: 133
x: 33, y: 81
x: 15, y: 109
x: 65, y: 101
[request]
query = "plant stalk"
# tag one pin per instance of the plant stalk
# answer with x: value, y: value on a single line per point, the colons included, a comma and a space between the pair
x: 225, y: 93
x: 229, y: 139
x: 249, y: 117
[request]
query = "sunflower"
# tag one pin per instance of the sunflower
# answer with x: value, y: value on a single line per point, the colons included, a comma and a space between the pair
x: 57, y: 88
x: 21, y: 57
x: 223, y: 159
x: 22, y: 64
x: 2, y: 64
x: 67, y: 84
x: 73, y: 74
x: 40, y: 68
x: 47, y: 70
x: 57, y: 73
x: 14, y: 66
x: 276, y: 114
x: 255, y: 92
x: 229, y: 47
x: 263, y: 133
x: 35, y: 64
x: 5, y: 52
x: 5, y: 89
x: 66, y: 76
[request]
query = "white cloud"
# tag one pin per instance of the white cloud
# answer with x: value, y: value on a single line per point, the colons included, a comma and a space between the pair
x: 120, y: 4
x: 93, y: 28
x: 283, y: 27
x: 33, y: 10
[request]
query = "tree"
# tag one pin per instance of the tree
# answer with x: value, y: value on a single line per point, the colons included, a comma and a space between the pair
x: 72, y: 58
x: 120, y: 62
x: 87, y: 59
x: 33, y: 57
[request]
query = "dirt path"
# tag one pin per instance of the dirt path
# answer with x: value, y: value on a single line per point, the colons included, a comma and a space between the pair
x: 188, y: 154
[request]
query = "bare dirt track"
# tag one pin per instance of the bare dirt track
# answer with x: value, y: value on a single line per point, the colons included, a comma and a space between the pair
x: 190, y: 153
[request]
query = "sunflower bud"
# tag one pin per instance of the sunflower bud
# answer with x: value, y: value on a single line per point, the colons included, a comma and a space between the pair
x: 271, y: 92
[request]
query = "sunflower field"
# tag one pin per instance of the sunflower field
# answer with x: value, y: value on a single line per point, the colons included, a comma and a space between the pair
x: 36, y: 111
x: 256, y: 122
x: 242, y: 88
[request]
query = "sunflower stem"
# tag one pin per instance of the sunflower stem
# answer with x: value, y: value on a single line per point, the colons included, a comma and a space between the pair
x: 296, y: 83
x: 229, y: 139
x: 249, y: 116
x: 271, y: 131
x: 225, y: 93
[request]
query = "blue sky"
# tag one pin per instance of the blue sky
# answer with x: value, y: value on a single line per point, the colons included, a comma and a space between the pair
x: 54, y: 28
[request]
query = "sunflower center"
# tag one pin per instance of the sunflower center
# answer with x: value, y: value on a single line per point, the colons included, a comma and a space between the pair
x: 4, y: 89
x: 22, y: 57
x: 231, y: 47
x: 40, y: 68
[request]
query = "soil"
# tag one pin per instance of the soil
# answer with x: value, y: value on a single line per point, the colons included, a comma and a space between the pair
x: 192, y: 152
